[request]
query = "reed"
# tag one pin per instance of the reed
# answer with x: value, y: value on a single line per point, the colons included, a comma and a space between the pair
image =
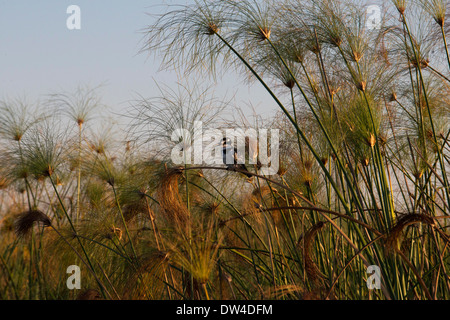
x: 363, y: 116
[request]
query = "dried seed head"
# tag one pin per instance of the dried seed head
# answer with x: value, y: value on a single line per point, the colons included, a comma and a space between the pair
x: 25, y: 221
x: 362, y: 86
x: 315, y: 49
x: 170, y: 199
x: 392, y: 240
x: 58, y: 181
x: 131, y: 210
x: 440, y: 20
x: 313, y: 272
x: 371, y: 140
x: 365, y: 161
x: 299, y: 58
x: 418, y: 174
x: 212, y: 29
x: 290, y: 83
x: 100, y: 148
x: 333, y: 90
x: 110, y: 181
x: 264, y: 33
x: 48, y: 171
x: 308, y: 164
x: 400, y: 5
x: 336, y: 40
x: 423, y: 63
x: 213, y: 208
x: 23, y: 173
x: 393, y: 97
x: 356, y: 56
x: 17, y: 137
x: 307, y: 182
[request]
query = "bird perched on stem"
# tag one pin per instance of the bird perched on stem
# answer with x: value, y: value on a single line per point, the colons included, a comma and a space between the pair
x: 231, y: 158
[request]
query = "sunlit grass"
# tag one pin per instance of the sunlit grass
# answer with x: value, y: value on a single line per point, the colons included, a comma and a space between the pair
x: 363, y: 180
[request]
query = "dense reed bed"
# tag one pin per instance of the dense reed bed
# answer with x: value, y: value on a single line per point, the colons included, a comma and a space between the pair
x: 363, y: 114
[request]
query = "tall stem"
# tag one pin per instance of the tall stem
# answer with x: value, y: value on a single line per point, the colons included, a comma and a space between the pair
x: 79, y: 171
x: 439, y: 151
x: 73, y: 229
x: 308, y: 143
x: 123, y: 220
x: 296, y: 120
x: 444, y: 38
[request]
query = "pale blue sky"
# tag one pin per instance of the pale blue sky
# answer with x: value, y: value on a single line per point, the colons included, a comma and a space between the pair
x: 39, y: 55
